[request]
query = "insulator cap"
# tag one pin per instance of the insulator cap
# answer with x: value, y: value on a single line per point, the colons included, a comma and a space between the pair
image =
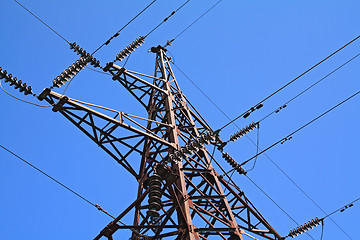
x: 155, y: 193
x: 304, y: 228
x: 85, y: 55
x: 70, y: 72
x: 129, y: 49
x: 18, y: 84
x: 243, y: 131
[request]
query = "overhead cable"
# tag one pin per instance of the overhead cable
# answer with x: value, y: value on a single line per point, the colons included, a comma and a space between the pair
x: 268, y: 196
x: 138, y: 41
x: 259, y: 149
x: 288, y: 137
x: 247, y: 113
x: 169, y: 42
x: 342, y: 209
x: 42, y: 22
x: 67, y: 188
x: 118, y: 32
x: 311, y: 86
x: 296, y: 185
x: 315, y: 222
x: 167, y: 18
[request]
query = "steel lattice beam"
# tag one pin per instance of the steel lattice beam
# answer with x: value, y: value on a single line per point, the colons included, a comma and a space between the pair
x: 189, y: 195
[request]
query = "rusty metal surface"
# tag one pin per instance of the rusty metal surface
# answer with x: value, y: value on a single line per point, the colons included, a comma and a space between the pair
x: 189, y: 200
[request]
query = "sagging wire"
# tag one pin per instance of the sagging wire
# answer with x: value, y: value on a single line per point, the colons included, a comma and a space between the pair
x: 18, y: 84
x: 257, y: 148
x: 288, y: 137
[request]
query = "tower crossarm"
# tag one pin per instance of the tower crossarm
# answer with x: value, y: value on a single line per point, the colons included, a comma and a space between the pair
x: 121, y: 135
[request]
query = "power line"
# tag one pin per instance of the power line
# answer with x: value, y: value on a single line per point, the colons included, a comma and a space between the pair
x: 47, y: 175
x: 307, y: 89
x: 167, y: 18
x: 292, y: 81
x: 232, y: 181
x: 342, y: 208
x: 275, y: 203
x: 172, y: 40
x: 67, y: 188
x: 208, y: 98
x: 42, y: 21
x: 258, y: 148
x: 118, y: 32
x: 302, y: 127
x: 297, y: 186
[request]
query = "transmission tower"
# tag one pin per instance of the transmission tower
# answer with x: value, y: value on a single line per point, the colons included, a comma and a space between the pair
x: 180, y: 195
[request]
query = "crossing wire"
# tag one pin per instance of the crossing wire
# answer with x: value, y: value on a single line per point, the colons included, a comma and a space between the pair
x: 267, y: 195
x: 302, y: 127
x: 298, y: 187
x: 258, y: 148
x: 67, y: 188
x: 295, y: 79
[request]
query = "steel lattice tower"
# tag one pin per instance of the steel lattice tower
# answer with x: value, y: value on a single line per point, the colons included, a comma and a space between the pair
x: 180, y: 195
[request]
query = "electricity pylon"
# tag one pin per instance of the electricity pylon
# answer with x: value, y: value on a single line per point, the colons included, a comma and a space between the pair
x: 180, y: 195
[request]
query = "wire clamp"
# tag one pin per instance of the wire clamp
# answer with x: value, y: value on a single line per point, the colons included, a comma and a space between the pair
x: 346, y: 207
x: 280, y: 108
x: 285, y: 139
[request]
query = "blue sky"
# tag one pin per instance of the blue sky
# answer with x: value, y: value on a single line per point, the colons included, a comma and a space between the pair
x: 238, y: 54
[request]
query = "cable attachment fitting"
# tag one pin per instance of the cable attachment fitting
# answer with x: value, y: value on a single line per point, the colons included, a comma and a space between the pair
x: 87, y: 56
x: 244, y: 131
x: 280, y: 108
x: 23, y: 87
x: 306, y: 227
x: 233, y: 163
x: 129, y: 49
x: 169, y: 43
x: 155, y: 193
x: 346, y: 207
x: 286, y: 139
x: 69, y: 73
x: 252, y: 109
x: 100, y: 208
